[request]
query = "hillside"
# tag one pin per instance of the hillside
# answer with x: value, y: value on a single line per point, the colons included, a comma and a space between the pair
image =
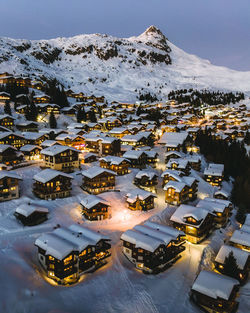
x: 117, y: 67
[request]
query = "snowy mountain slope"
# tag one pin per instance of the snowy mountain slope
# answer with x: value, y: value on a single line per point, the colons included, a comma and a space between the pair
x: 116, y: 67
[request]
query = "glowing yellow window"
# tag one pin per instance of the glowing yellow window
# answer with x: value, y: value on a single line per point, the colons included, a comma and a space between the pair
x: 51, y: 258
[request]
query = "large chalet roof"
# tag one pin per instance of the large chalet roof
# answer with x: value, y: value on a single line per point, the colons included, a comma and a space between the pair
x: 4, y: 147
x: 173, y: 138
x: 138, y: 193
x: 240, y: 255
x: 166, y: 238
x: 141, y: 240
x: 2, y: 116
x: 27, y: 209
x: 165, y: 229
x: 184, y: 211
x: 149, y: 174
x: 9, y: 174
x: 241, y: 237
x: 113, y: 160
x: 176, y: 185
x: 63, y: 241
x: 48, y: 174
x: 133, y: 154
x: 214, y: 169
x: 96, y: 171
x: 214, y: 285
x: 32, y: 135
x: 92, y: 200
x: 56, y: 149
x: 28, y: 148
x: 212, y: 206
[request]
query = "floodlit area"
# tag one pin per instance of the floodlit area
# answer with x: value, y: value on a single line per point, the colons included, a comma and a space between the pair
x: 117, y: 286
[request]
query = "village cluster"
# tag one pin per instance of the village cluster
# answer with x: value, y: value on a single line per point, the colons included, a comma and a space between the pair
x: 166, y: 160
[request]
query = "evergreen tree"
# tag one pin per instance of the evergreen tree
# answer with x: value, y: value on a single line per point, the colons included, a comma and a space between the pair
x: 81, y: 115
x: 92, y: 116
x: 241, y: 215
x: 52, y: 121
x: 32, y: 112
x: 230, y: 266
x: 7, y: 108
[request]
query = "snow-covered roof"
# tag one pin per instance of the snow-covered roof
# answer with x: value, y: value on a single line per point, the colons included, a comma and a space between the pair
x: 214, y: 169
x: 241, y: 237
x: 32, y: 135
x: 63, y: 241
x: 95, y: 171
x: 133, y: 154
x: 11, y: 174
x: 4, y: 147
x: 225, y: 202
x: 56, y: 149
x: 176, y: 185
x: 214, y: 285
x: 27, y: 209
x: 28, y: 148
x: 113, y: 160
x: 240, y: 255
x: 144, y: 229
x: 138, y: 193
x: 141, y: 240
x: 149, y: 174
x: 222, y: 192
x: 247, y: 220
x: 184, y: 211
x: 245, y: 228
x: 92, y: 200
x: 181, y: 163
x: 175, y: 233
x: 212, y: 206
x: 173, y: 138
x: 48, y: 174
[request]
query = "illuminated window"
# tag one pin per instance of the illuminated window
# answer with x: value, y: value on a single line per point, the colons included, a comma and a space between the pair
x: 68, y: 259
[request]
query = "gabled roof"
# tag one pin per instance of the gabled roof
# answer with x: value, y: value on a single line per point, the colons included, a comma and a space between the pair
x: 28, y: 148
x: 96, y: 171
x: 48, y: 174
x: 138, y: 193
x: 214, y: 285
x: 92, y: 200
x: 240, y: 255
x: 26, y: 209
x: 56, y: 149
x: 9, y: 174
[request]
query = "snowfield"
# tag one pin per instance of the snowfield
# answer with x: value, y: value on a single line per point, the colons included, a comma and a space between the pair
x: 118, y: 67
x: 115, y: 288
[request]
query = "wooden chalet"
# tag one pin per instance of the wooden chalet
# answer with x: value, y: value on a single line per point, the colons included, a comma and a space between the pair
x: 112, y: 123
x: 152, y: 157
x: 146, y: 179
x: 9, y: 185
x: 220, y: 209
x: 95, y: 208
x: 4, y: 96
x: 241, y: 238
x: 48, y: 108
x: 213, y: 292
x: 41, y: 98
x: 75, y: 141
x: 31, y: 152
x: 180, y: 190
x: 31, y: 214
x: 179, y: 165
x: 50, y: 184
x: 136, y: 158
x: 7, y: 121
x: 139, y: 199
x: 172, y: 155
x: 28, y: 126
x: 13, y: 139
x: 151, y: 247
x: 66, y: 253
x: 242, y: 260
x: 119, y: 132
x: 221, y: 194
x: 116, y: 164
x: 61, y: 158
x: 214, y: 174
x: 89, y: 158
x: 197, y: 223
x: 9, y: 155
x: 34, y: 138
x: 97, y: 180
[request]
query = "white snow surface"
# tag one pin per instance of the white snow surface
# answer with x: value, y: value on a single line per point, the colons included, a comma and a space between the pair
x: 106, y: 65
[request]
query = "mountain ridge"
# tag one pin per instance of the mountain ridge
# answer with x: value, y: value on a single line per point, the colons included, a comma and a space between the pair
x: 118, y: 68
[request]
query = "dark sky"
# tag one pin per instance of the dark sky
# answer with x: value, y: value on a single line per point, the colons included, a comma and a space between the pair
x: 218, y: 30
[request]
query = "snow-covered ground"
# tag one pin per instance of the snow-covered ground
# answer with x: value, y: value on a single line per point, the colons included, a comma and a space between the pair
x: 116, y: 287
x: 127, y: 67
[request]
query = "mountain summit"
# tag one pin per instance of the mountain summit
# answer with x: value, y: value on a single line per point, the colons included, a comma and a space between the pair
x: 118, y: 68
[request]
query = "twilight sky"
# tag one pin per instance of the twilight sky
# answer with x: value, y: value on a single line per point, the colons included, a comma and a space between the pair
x: 218, y: 30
